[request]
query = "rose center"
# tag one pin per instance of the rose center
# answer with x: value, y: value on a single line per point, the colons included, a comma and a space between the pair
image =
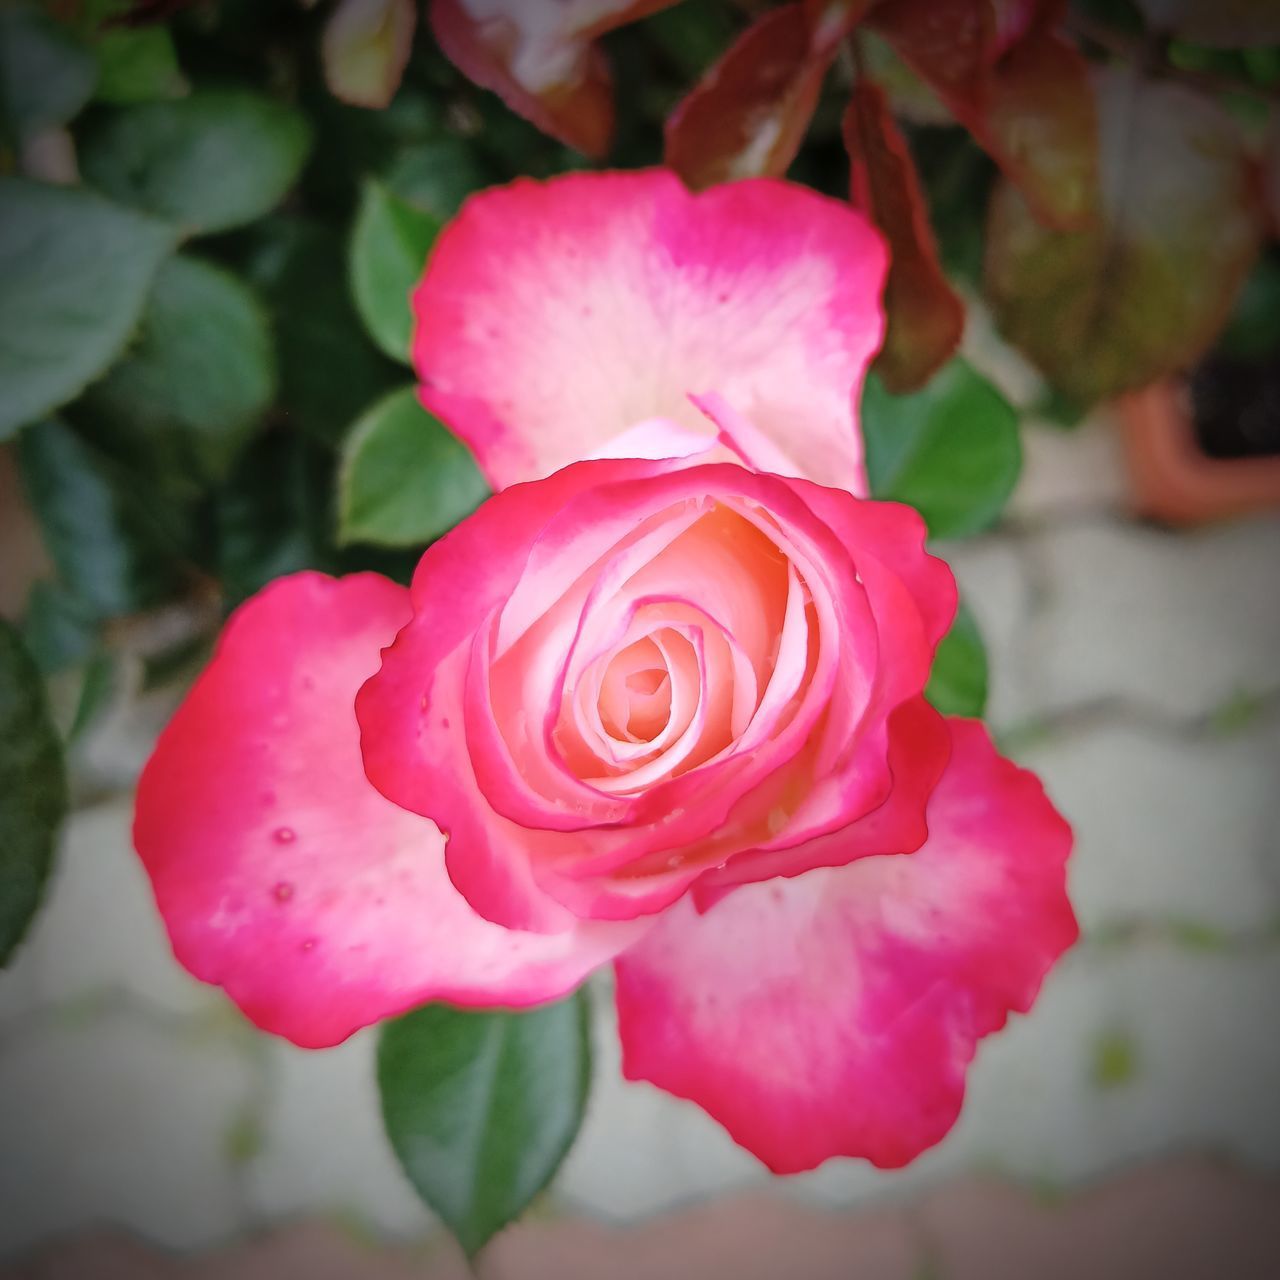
x: 635, y: 694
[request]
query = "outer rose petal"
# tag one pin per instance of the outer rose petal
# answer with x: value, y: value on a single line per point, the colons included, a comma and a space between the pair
x: 555, y: 316
x: 282, y: 874
x: 834, y: 1014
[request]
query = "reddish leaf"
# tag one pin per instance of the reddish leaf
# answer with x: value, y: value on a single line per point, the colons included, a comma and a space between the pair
x: 1271, y: 175
x: 365, y: 47
x: 1144, y: 289
x: 831, y: 20
x: 748, y: 114
x: 539, y: 56
x: 1014, y: 19
x: 948, y: 43
x: 1018, y: 87
x: 925, y: 316
x: 1225, y: 24
x: 1040, y: 125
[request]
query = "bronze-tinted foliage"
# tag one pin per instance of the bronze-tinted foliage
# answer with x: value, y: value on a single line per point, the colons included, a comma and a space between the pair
x: 749, y: 113
x: 1107, y: 270
x: 540, y: 57
x: 925, y: 317
x: 1017, y: 85
x: 1143, y: 289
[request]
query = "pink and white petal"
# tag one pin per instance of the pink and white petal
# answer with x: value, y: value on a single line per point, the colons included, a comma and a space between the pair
x: 281, y: 874
x: 835, y: 1014
x: 893, y: 534
x: 554, y: 316
x: 919, y: 747
x: 658, y: 438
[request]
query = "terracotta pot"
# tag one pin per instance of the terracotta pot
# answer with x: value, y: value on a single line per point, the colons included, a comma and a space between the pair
x: 1171, y: 478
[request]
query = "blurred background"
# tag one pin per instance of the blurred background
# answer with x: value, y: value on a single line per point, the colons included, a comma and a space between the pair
x: 210, y: 214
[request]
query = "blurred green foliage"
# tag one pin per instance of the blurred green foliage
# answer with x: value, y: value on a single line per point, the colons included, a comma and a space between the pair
x: 205, y: 326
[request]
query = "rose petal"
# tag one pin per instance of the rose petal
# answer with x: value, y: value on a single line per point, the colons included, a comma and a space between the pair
x: 835, y: 1014
x: 918, y: 746
x: 555, y: 316
x: 282, y: 875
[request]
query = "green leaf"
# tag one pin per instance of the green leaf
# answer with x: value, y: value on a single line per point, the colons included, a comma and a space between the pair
x: 211, y: 161
x: 1145, y: 289
x: 951, y: 450
x: 389, y: 247
x: 59, y: 629
x: 98, y: 686
x: 958, y: 685
x: 112, y: 542
x: 138, y: 65
x: 33, y: 789
x: 1253, y: 330
x: 273, y: 515
x: 199, y: 378
x: 437, y: 176
x: 481, y: 1107
x: 76, y: 270
x: 329, y: 370
x: 46, y: 73
x: 404, y: 479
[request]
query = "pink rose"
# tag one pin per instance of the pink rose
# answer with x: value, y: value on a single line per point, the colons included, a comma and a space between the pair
x: 667, y: 710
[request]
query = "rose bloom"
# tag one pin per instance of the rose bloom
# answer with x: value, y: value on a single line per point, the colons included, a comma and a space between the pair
x: 662, y: 707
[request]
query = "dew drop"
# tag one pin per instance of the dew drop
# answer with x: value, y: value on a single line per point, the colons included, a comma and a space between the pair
x: 308, y: 944
x: 444, y: 724
x: 282, y: 891
x: 284, y: 835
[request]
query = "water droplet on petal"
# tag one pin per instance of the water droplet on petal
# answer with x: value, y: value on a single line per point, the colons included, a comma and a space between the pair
x: 284, y: 835
x: 282, y: 891
x: 444, y: 724
x: 308, y: 944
